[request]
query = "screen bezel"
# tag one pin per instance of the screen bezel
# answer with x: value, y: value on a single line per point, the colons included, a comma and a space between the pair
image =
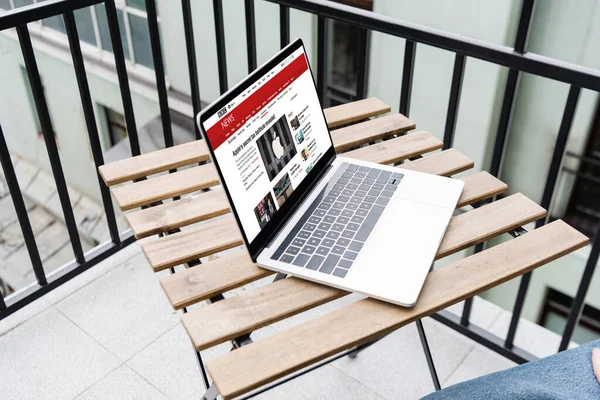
x: 282, y: 215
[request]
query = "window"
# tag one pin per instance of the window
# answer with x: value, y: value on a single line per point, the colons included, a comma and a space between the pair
x: 115, y: 123
x: 349, y: 52
x: 556, y: 311
x: 92, y: 26
x: 583, y: 210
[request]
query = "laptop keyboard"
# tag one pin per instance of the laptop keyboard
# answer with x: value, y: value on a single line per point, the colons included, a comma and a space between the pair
x: 333, y: 230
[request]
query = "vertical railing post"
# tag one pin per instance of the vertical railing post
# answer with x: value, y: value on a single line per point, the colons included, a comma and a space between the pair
x: 363, y: 64
x: 50, y: 140
x: 557, y: 157
x: 322, y: 54
x: 410, y: 49
x: 21, y: 211
x: 220, y: 38
x: 190, y: 47
x: 505, y: 120
x: 90, y: 121
x: 579, y: 300
x: 117, y: 45
x: 284, y: 26
x: 159, y: 72
x: 454, y: 100
x: 250, y: 35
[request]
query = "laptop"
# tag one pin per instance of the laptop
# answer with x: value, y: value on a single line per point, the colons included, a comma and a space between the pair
x: 304, y: 211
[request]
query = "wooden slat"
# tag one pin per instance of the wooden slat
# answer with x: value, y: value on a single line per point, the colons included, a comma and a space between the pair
x: 199, y: 283
x: 179, y: 219
x: 204, y: 281
x: 191, y: 244
x: 254, y: 309
x: 166, y: 186
x: 176, y: 214
x: 446, y: 163
x: 355, y: 111
x: 264, y: 361
x: 154, y: 162
x: 480, y: 186
x: 397, y: 149
x: 369, y: 131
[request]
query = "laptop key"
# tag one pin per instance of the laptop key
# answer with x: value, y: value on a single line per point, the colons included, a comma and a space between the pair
x: 334, y: 211
x: 351, y: 255
x: 320, y: 234
x: 338, y: 204
x: 360, y: 174
x: 364, y: 169
x: 329, y: 199
x: 355, y: 246
x: 344, y: 199
x: 374, y: 193
x: 383, y: 177
x: 368, y: 181
x: 362, y: 213
x: 343, y: 242
x: 339, y: 187
x: 329, y: 219
x: 301, y: 260
x: 352, y: 186
x: 343, y: 181
x: 322, y: 250
x: 328, y: 242
x: 353, y: 226
x: 329, y: 264
x: 355, y: 199
x: 397, y: 175
x: 370, y: 199
x: 386, y: 193
x: 356, y: 180
x: 357, y: 219
x: 382, y: 201
x: 308, y: 249
x: 315, y: 262
x: 351, y: 206
x: 337, y: 227
x: 286, y: 258
x: 347, y: 192
x: 360, y: 193
x: 340, y: 272
x: 366, y: 206
x: 324, y: 206
x: 343, y: 220
x: 352, y: 167
x: 377, y: 186
x: 364, y: 187
x: 314, y: 220
x: 338, y: 250
x: 345, y: 263
x: 313, y: 241
x: 303, y: 235
x: 298, y: 242
x: 391, y: 188
x: 373, y: 173
x: 347, y: 213
x: 369, y: 223
x: 309, y: 227
x: 347, y: 175
x: 332, y: 235
x: 348, y: 234
x: 325, y: 226
x: 334, y: 193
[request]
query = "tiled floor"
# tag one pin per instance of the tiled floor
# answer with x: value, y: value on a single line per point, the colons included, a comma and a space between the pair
x: 111, y: 334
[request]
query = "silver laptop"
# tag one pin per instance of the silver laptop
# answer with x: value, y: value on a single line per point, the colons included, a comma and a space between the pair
x: 302, y: 210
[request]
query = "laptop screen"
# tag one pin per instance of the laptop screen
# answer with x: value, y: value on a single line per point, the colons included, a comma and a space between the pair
x: 267, y: 139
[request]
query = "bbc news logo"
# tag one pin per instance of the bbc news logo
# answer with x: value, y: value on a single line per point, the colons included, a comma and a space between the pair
x: 222, y: 112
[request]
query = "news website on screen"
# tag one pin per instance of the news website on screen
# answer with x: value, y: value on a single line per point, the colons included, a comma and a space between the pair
x: 267, y: 140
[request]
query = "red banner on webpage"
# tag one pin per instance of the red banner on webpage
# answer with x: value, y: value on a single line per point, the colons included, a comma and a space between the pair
x: 233, y: 121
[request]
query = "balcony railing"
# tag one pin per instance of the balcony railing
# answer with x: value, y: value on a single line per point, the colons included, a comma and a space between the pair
x: 516, y: 59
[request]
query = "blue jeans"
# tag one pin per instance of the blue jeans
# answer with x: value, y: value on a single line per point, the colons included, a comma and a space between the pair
x: 567, y: 375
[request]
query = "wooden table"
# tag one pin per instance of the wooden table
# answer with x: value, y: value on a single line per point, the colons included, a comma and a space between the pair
x: 387, y: 139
